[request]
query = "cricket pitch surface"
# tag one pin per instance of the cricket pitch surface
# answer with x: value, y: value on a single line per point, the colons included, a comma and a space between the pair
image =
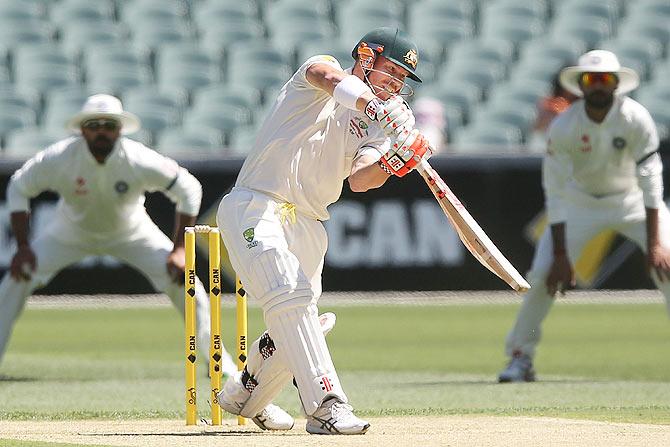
x: 385, y: 431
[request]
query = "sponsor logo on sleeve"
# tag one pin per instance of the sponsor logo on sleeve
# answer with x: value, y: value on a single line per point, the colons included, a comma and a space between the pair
x: 358, y: 127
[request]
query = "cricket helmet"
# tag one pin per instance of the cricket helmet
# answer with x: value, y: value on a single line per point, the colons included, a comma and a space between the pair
x: 391, y: 43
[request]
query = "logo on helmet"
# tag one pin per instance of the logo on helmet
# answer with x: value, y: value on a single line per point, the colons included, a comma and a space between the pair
x: 367, y: 56
x: 412, y: 58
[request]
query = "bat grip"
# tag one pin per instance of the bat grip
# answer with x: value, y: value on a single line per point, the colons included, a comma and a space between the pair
x: 423, y: 166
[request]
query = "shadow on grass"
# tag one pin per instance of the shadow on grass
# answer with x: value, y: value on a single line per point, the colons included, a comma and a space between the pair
x: 203, y: 433
x: 70, y: 380
x: 494, y: 381
x: 5, y: 378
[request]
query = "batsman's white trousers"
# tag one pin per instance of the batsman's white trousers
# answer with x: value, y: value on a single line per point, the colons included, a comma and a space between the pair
x: 145, y: 249
x: 278, y: 254
x: 587, y: 217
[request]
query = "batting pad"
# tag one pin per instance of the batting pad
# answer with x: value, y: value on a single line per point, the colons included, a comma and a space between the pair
x: 297, y: 334
x: 268, y: 371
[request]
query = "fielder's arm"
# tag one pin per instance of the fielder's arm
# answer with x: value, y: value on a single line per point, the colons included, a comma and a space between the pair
x: 658, y: 256
x: 176, y: 260
x: 24, y: 261
x: 561, y: 273
x: 21, y: 227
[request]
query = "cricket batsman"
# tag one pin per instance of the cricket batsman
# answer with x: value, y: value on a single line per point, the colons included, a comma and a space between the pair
x: 327, y: 125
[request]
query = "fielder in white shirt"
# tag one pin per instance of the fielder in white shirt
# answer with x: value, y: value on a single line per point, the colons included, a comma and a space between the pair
x: 602, y: 171
x: 101, y: 178
x: 326, y: 126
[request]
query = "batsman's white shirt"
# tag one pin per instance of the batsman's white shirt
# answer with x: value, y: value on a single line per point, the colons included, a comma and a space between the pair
x: 99, y: 201
x: 305, y: 148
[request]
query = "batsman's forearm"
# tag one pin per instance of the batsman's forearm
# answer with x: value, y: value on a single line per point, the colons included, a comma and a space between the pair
x: 558, y: 238
x: 181, y: 220
x: 366, y: 174
x: 21, y: 227
x: 652, y: 227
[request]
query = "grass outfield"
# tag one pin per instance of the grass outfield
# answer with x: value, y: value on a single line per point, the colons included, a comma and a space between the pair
x: 602, y: 362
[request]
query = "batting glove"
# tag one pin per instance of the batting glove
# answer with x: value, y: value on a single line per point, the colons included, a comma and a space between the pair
x: 393, y: 115
x: 406, y: 152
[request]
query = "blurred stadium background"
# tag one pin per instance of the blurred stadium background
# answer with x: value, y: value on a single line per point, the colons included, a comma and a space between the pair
x: 201, y: 73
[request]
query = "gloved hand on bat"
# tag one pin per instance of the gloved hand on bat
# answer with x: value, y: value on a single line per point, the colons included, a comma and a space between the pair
x: 393, y: 115
x: 407, y: 150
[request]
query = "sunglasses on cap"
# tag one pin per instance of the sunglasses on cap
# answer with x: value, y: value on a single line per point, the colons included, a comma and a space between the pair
x: 97, y: 124
x: 606, y: 79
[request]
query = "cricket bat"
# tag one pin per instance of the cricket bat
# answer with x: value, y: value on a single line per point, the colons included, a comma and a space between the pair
x: 471, y: 234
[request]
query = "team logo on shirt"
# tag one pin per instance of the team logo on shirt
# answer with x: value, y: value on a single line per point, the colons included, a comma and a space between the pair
x: 249, y: 237
x: 80, y: 188
x: 121, y: 187
x: 358, y: 127
x: 618, y: 143
x: 586, y: 147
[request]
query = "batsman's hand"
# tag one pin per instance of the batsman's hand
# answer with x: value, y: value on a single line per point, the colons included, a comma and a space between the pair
x: 393, y: 115
x: 176, y: 263
x: 561, y: 275
x: 406, y: 152
x: 23, y: 264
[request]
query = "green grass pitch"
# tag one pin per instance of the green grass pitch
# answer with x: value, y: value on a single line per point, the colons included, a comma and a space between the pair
x: 603, y: 362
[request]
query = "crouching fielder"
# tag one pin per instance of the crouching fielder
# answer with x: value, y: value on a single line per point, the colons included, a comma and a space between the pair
x: 101, y: 178
x: 602, y: 171
x: 326, y: 125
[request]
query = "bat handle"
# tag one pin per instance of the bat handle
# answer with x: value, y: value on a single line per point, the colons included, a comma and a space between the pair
x: 423, y: 166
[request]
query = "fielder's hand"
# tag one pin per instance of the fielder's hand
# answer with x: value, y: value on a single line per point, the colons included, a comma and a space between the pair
x: 393, y: 115
x: 406, y: 152
x: 176, y: 262
x: 561, y: 275
x: 23, y: 264
x: 658, y: 262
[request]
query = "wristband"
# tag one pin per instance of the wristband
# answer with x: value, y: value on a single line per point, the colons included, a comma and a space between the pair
x: 348, y: 90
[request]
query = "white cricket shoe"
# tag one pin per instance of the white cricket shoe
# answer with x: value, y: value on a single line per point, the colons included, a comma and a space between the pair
x: 334, y: 417
x: 519, y: 369
x: 273, y: 418
x: 234, y: 395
